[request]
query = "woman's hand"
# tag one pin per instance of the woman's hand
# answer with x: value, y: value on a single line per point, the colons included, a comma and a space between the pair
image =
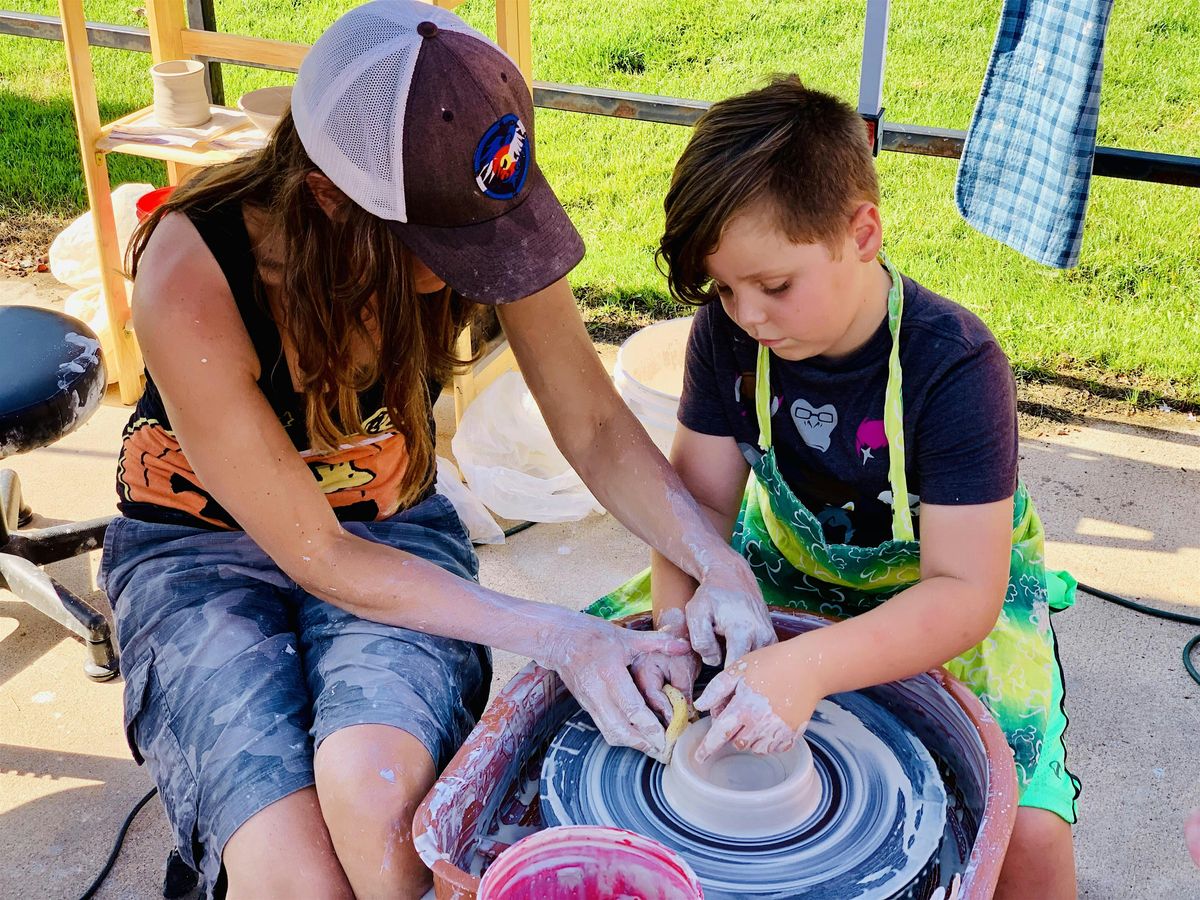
x: 761, y: 704
x: 728, y: 602
x: 652, y: 672
x: 594, y: 663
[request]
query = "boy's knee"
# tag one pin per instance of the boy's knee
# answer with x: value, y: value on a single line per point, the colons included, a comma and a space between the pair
x: 1039, y: 828
x: 284, y: 851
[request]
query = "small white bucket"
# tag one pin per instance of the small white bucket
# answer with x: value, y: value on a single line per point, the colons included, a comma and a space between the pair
x: 649, y: 376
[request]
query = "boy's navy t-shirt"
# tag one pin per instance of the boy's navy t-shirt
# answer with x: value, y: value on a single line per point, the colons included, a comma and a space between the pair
x: 960, y: 421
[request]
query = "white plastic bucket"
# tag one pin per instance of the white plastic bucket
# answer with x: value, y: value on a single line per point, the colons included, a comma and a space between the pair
x: 649, y: 376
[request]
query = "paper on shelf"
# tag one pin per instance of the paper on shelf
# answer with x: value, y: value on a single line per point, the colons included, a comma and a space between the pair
x: 147, y: 129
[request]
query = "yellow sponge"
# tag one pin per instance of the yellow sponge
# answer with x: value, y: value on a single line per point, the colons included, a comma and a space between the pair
x: 682, y: 712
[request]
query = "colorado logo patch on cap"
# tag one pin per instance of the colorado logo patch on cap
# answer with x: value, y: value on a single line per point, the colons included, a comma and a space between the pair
x: 501, y: 159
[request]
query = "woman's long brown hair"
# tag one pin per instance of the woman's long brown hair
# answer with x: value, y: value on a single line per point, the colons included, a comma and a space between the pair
x: 338, y: 273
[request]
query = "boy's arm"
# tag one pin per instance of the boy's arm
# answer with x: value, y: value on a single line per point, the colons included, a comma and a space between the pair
x: 965, y: 554
x: 714, y: 472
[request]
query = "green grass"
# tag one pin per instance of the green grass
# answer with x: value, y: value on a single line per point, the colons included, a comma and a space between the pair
x: 1131, y: 308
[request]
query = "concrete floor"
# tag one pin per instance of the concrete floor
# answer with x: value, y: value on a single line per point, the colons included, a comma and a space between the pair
x: 1120, y: 508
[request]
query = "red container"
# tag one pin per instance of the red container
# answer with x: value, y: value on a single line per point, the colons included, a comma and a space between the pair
x: 584, y: 862
x: 148, y: 203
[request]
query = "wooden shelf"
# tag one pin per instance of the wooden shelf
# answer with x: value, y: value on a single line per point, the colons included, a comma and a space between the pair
x: 202, y: 154
x: 170, y: 38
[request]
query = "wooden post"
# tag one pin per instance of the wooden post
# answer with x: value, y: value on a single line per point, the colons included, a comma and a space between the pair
x: 512, y: 34
x: 165, y: 20
x: 464, y: 381
x: 128, y: 362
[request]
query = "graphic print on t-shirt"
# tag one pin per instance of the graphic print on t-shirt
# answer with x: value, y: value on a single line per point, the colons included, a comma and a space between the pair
x: 870, y: 436
x: 837, y: 517
x: 815, y: 423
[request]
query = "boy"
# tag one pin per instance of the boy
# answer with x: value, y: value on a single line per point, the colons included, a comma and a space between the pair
x: 878, y: 420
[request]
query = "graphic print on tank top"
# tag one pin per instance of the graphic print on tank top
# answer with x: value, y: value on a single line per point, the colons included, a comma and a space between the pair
x: 361, y: 478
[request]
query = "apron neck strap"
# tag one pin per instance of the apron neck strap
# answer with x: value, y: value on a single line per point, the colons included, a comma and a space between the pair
x: 893, y: 413
x: 893, y: 408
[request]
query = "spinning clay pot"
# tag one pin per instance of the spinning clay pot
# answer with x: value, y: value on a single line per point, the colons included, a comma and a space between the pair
x: 739, y: 793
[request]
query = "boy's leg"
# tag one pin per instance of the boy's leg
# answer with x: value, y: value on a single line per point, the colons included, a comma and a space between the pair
x: 1041, y: 853
x: 1041, y: 858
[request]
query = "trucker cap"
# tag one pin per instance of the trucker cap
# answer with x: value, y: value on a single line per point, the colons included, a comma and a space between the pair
x: 424, y: 122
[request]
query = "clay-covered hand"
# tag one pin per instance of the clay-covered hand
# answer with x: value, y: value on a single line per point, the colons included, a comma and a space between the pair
x: 756, y: 707
x: 653, y: 671
x: 594, y: 664
x: 728, y: 603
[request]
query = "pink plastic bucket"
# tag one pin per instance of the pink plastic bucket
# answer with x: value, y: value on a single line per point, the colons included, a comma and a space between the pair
x: 587, y: 862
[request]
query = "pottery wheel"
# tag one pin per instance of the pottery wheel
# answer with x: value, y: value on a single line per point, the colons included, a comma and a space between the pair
x: 875, y: 832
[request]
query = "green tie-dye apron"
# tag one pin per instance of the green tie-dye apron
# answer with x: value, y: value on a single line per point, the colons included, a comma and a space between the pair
x: 1014, y: 670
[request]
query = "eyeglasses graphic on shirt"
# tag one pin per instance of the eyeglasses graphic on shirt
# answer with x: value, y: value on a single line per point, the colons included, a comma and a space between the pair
x: 823, y: 416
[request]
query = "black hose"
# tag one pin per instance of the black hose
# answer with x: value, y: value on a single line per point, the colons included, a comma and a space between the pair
x: 1188, y: 648
x: 517, y: 529
x: 116, y: 850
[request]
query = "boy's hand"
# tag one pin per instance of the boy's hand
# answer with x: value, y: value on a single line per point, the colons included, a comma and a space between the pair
x: 728, y: 603
x: 761, y: 704
x: 652, y: 673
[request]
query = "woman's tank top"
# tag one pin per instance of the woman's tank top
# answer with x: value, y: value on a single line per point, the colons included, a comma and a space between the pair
x: 361, y: 478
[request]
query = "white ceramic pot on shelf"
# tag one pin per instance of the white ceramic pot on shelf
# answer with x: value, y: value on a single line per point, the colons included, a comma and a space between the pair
x: 180, y: 98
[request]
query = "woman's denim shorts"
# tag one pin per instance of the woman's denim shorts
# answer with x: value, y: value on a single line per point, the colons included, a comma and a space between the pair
x: 234, y: 675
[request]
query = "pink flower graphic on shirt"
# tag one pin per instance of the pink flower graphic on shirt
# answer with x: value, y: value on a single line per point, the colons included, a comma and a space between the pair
x: 870, y: 436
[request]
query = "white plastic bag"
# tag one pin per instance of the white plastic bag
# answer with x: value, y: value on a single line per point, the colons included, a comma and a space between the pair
x: 73, y: 261
x: 73, y: 253
x: 509, y: 459
x: 480, y: 525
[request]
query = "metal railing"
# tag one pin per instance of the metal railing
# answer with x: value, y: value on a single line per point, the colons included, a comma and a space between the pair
x: 1112, y: 162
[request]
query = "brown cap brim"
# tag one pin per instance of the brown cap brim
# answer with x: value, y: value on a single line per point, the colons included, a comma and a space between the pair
x: 504, y: 259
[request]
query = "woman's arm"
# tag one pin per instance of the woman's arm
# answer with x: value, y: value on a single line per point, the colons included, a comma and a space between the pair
x: 202, y: 360
x: 611, y: 451
x: 965, y: 554
x: 714, y: 471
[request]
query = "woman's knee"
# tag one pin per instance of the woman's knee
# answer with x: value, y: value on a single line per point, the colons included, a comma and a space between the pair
x: 370, y: 779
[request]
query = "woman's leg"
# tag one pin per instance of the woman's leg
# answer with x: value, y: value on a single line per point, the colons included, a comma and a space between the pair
x: 218, y: 705
x: 1041, y: 858
x: 370, y: 780
x: 284, y: 852
x: 390, y: 707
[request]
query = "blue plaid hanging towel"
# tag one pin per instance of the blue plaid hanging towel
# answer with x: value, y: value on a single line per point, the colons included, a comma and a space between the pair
x: 1027, y: 162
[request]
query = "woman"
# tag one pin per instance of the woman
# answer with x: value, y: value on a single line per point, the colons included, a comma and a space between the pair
x: 297, y: 610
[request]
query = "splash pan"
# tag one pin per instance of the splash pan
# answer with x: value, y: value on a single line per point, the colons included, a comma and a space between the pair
x: 488, y: 797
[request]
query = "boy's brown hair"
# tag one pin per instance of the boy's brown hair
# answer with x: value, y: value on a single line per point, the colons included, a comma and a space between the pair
x: 803, y: 153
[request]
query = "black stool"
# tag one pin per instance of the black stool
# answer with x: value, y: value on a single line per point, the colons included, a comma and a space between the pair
x: 51, y: 380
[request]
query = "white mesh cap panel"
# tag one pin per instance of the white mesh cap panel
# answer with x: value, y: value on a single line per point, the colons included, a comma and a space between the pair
x: 350, y: 98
